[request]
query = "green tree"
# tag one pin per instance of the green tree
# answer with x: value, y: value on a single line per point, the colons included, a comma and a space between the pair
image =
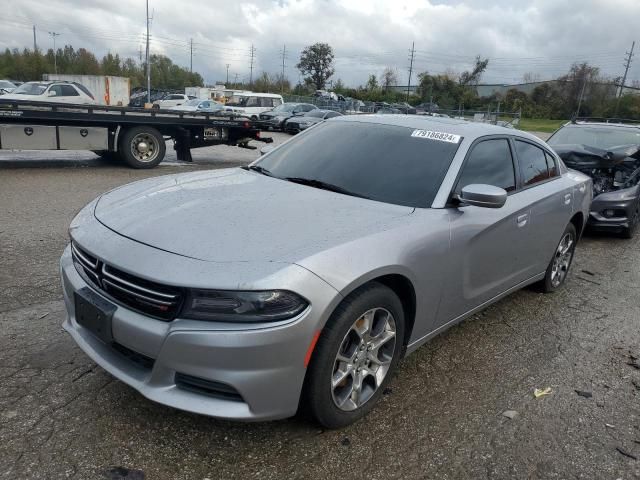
x: 316, y: 64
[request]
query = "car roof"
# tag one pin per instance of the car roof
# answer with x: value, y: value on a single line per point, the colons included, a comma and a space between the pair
x: 448, y: 125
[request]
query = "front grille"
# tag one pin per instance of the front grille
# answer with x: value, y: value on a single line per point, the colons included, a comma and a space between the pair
x: 207, y: 387
x: 139, y: 359
x: 150, y: 298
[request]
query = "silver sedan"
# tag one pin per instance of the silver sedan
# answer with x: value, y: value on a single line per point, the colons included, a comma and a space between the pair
x: 305, y: 277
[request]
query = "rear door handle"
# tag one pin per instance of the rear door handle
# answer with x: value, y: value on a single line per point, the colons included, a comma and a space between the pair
x: 522, y: 219
x: 567, y: 198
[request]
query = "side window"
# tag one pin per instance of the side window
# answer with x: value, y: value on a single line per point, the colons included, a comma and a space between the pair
x: 252, y: 102
x: 57, y: 89
x: 551, y: 165
x: 266, y: 102
x: 332, y: 114
x: 307, y: 108
x: 276, y: 102
x: 533, y: 163
x: 489, y: 163
x: 68, y: 91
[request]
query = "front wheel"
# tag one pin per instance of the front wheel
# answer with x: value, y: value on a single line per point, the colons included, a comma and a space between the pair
x: 355, y: 357
x: 142, y: 147
x: 558, y: 268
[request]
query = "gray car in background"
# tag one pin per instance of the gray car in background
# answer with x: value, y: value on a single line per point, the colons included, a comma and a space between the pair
x: 299, y: 123
x: 303, y: 279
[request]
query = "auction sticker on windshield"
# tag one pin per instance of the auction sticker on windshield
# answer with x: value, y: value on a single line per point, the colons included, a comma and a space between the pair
x: 442, y: 136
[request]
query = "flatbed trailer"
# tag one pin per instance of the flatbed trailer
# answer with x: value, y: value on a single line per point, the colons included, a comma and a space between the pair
x: 135, y: 135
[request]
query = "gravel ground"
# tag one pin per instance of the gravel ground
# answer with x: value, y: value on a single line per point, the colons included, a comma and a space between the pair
x: 61, y: 416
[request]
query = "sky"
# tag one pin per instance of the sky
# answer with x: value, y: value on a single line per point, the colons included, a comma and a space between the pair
x: 539, y: 37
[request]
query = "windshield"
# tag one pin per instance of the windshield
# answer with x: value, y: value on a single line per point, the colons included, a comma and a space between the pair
x: 192, y: 103
x: 31, y: 89
x: 316, y: 113
x: 596, y: 136
x: 285, y: 107
x: 5, y: 84
x: 380, y: 162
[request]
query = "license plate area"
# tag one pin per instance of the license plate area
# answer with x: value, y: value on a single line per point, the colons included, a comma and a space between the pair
x: 94, y: 313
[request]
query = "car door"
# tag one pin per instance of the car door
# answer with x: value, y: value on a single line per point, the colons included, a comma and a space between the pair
x: 550, y: 200
x: 486, y: 257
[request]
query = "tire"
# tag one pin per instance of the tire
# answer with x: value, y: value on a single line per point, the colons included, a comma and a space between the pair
x: 133, y: 143
x: 630, y: 231
x: 560, y: 263
x: 335, y: 406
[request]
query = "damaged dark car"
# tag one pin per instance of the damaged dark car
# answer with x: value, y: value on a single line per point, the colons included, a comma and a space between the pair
x: 610, y: 154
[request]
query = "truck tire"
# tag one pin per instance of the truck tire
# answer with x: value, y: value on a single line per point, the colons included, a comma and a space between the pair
x: 142, y: 147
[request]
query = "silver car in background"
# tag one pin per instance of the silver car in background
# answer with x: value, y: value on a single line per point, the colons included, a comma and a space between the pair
x: 302, y: 279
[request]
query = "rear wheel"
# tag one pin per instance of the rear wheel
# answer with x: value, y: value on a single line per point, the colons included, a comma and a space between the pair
x: 558, y: 268
x: 355, y: 357
x: 142, y: 147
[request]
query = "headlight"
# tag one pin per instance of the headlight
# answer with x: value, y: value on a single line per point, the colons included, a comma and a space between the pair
x: 242, y: 306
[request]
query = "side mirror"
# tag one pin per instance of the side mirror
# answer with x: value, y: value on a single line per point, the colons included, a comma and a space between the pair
x: 266, y: 149
x: 480, y: 195
x: 51, y: 93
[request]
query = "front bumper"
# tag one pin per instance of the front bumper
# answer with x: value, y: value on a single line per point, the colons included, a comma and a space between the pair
x: 622, y: 203
x: 264, y: 364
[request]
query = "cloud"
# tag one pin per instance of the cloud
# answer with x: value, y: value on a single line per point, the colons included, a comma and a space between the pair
x: 543, y: 37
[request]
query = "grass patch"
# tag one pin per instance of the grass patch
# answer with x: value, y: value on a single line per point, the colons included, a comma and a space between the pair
x: 540, y: 124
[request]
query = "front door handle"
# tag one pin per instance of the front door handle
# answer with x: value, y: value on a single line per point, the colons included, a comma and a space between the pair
x: 522, y: 219
x: 567, y: 198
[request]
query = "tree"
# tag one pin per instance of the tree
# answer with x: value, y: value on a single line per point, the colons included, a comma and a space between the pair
x: 471, y: 78
x: 316, y: 64
x: 389, y: 78
x: 372, y: 84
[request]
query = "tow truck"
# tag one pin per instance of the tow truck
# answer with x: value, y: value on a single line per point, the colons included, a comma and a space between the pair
x: 135, y: 135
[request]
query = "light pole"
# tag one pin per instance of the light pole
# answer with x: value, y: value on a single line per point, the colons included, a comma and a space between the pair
x: 55, y: 52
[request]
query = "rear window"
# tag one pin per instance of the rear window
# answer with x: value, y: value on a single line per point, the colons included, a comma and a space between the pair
x: 381, y: 162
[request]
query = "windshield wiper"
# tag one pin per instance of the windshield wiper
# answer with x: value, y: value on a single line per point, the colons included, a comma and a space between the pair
x: 323, y: 186
x: 259, y: 169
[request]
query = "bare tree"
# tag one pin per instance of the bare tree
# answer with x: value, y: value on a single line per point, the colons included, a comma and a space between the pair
x: 389, y: 78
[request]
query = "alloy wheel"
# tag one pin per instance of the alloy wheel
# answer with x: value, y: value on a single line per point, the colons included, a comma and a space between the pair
x: 562, y: 259
x: 363, y: 359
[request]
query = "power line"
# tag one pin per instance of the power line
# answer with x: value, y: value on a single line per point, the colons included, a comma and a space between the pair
x: 191, y: 56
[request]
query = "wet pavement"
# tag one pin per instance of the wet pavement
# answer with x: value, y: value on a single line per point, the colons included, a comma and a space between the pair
x: 61, y: 416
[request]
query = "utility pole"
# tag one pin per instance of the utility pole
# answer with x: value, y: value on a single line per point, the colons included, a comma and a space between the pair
x: 626, y: 70
x: 55, y: 52
x: 253, y: 53
x: 191, y: 55
x: 284, y: 56
x: 140, y: 52
x: 227, y: 83
x: 412, y: 51
x: 147, y: 60
x: 35, y: 44
x: 235, y: 80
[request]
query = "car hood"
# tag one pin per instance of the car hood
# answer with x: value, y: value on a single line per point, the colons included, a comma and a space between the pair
x: 237, y: 215
x: 586, y: 156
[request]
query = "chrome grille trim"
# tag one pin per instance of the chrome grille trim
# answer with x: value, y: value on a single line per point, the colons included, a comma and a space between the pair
x: 83, y: 259
x: 136, y: 294
x: 106, y: 273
